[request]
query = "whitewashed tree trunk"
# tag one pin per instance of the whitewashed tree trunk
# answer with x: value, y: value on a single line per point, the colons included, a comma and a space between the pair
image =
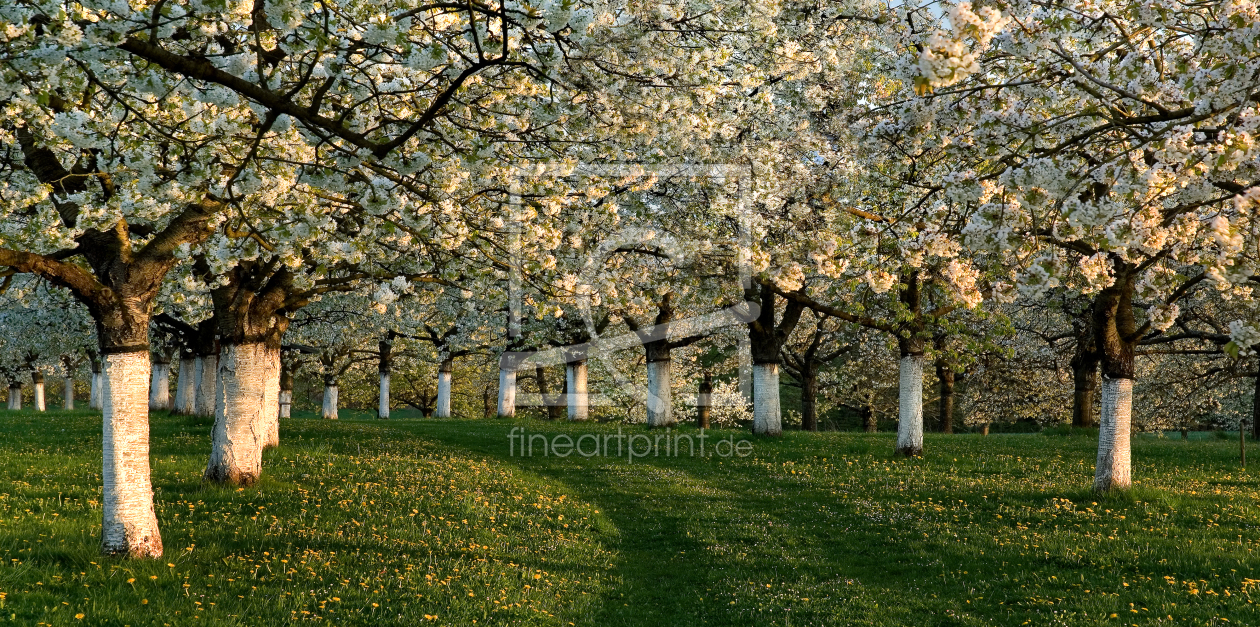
x: 660, y: 398
x: 382, y: 400
x: 130, y: 526
x: 94, y: 396
x: 67, y: 393
x: 507, y: 393
x: 186, y: 387
x: 443, y: 409
x: 160, y: 388
x: 38, y: 382
x: 1113, y: 471
x: 271, y: 402
x: 330, y: 401
x: 286, y: 403
x: 910, y: 407
x: 207, y: 375
x: 15, y: 397
x: 767, y: 419
x: 243, y: 409
x: 578, y: 399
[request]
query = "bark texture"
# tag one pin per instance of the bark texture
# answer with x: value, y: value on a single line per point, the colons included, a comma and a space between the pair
x: 329, y: 407
x: 382, y: 398
x: 659, y: 394
x: 129, y: 523
x: 160, y: 386
x: 15, y: 396
x: 767, y: 419
x: 577, y: 398
x: 945, y: 406
x: 443, y: 409
x: 910, y: 407
x: 704, y: 401
x: 1113, y: 469
x: 207, y: 378
x: 67, y: 393
x: 507, y: 392
x: 185, y: 386
x: 37, y: 380
x: 242, y: 413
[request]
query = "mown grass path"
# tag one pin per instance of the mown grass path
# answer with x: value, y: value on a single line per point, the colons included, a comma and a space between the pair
x: 365, y: 522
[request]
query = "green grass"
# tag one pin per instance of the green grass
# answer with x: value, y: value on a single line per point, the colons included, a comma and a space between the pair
x: 365, y: 522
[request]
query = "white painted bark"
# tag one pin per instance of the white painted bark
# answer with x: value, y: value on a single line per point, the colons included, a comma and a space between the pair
x: 382, y: 400
x: 207, y: 377
x: 767, y: 418
x: 286, y: 403
x: 186, y: 387
x: 94, y: 396
x: 67, y: 393
x: 578, y: 400
x: 507, y: 393
x: 330, y: 402
x: 129, y: 525
x: 444, y: 395
x: 160, y: 388
x: 659, y: 398
x: 271, y: 401
x: 1113, y: 471
x: 15, y: 398
x: 910, y: 407
x: 242, y: 412
x: 40, y: 405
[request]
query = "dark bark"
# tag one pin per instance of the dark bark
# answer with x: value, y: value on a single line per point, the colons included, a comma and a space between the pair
x: 809, y: 401
x: 765, y: 337
x: 1084, y: 365
x: 869, y: 423
x: 704, y: 401
x: 1115, y: 327
x: 945, y: 375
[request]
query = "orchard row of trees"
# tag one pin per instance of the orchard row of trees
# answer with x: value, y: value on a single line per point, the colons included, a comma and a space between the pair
x: 643, y: 192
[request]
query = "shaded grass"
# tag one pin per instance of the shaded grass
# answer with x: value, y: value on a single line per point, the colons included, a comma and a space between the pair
x: 366, y: 522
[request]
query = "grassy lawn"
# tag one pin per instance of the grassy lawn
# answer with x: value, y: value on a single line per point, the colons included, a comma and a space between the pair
x: 411, y: 521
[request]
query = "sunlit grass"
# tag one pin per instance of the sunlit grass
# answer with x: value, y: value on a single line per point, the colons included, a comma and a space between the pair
x: 369, y: 522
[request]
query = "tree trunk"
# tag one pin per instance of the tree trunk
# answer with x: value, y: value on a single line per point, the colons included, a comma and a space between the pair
x: 67, y: 393
x: 809, y: 399
x: 767, y: 419
x: 910, y: 406
x: 1113, y: 469
x: 487, y: 408
x: 15, y: 396
x: 129, y: 523
x: 286, y: 393
x: 160, y: 387
x: 507, y: 389
x: 659, y: 394
x: 1085, y: 384
x: 186, y: 385
x: 37, y: 379
x: 244, y: 405
x: 553, y: 406
x: 271, y: 417
x: 329, y: 409
x: 1115, y: 336
x: 207, y: 376
x: 1255, y: 409
x: 946, y: 376
x: 443, y: 409
x: 869, y: 423
x: 382, y: 400
x: 984, y: 429
x: 704, y: 401
x: 94, y: 395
